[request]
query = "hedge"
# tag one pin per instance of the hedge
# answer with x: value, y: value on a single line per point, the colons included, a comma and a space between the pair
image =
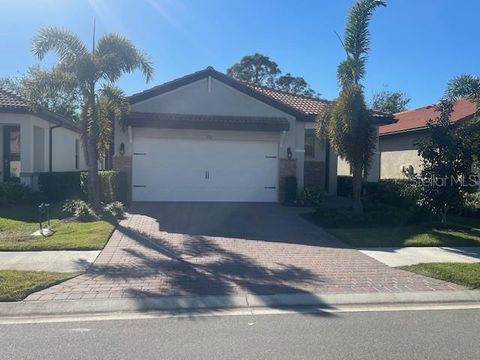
x: 67, y: 185
x: 396, y: 192
x: 60, y: 185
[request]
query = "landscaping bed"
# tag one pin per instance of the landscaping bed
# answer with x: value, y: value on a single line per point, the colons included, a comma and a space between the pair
x: 17, y: 285
x: 18, y: 222
x: 459, y: 273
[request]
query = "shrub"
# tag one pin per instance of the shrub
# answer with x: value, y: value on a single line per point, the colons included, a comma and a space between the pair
x: 60, y: 185
x: 115, y: 210
x: 12, y: 192
x: 373, y: 216
x: 311, y: 196
x: 395, y: 192
x: 79, y: 209
x: 344, y: 186
x: 471, y: 204
x: 113, y: 185
x: 290, y: 190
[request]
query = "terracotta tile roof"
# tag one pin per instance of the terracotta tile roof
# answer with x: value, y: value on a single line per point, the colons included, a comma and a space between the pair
x: 10, y: 100
x: 190, y: 121
x: 417, y: 119
x: 309, y: 105
x: 13, y: 103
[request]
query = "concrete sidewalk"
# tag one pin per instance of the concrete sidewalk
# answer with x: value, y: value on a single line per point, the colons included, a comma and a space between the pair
x: 55, y: 261
x: 414, y: 255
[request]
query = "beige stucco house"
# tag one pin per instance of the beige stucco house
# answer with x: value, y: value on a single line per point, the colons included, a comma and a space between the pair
x: 396, y: 152
x: 208, y: 137
x: 397, y: 142
x: 35, y: 142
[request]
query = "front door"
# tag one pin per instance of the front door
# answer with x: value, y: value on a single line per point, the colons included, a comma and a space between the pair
x: 11, y: 153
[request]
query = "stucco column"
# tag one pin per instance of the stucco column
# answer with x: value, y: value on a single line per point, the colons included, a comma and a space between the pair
x: 26, y: 151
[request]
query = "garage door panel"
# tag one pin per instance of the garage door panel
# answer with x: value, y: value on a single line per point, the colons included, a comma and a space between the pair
x: 201, y: 170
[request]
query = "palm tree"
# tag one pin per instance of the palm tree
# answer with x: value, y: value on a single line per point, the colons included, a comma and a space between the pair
x: 468, y: 86
x: 94, y: 73
x: 347, y: 123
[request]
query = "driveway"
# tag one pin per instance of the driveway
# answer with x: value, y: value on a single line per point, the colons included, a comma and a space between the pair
x: 164, y: 249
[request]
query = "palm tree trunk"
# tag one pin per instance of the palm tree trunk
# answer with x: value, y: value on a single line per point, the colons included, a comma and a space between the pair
x: 93, y: 184
x: 92, y: 140
x: 357, y: 205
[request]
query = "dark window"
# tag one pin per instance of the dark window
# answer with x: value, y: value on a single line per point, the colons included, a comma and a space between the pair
x: 309, y: 144
x: 77, y: 153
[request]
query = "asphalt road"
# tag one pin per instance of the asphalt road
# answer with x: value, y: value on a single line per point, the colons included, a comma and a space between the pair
x: 445, y: 334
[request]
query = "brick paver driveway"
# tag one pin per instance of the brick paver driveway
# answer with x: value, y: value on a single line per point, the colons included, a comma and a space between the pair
x: 224, y: 248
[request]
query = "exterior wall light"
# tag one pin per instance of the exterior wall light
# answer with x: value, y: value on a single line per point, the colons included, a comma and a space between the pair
x: 289, y: 153
x: 122, y: 149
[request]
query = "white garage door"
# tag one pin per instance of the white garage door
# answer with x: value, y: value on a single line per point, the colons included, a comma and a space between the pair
x: 202, y: 170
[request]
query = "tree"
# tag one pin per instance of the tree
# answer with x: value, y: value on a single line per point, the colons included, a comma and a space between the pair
x: 294, y: 85
x: 94, y: 74
x: 47, y: 89
x: 390, y: 102
x: 447, y: 160
x: 468, y: 86
x: 347, y: 123
x: 256, y: 69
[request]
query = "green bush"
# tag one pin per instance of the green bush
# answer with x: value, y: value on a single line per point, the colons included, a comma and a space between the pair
x: 60, y: 185
x: 380, y: 215
x: 402, y: 193
x: 311, y: 196
x: 114, y: 210
x: 290, y: 190
x: 13, y: 192
x: 471, y: 205
x: 79, y: 209
x: 344, y: 186
x: 113, y: 185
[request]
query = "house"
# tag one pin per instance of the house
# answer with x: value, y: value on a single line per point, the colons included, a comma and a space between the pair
x: 35, y: 141
x: 397, y: 142
x: 209, y: 137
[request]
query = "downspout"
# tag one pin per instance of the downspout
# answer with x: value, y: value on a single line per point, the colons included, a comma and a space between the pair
x: 50, y: 146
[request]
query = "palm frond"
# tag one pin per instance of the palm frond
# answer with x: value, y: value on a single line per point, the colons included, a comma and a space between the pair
x: 464, y: 86
x: 357, y: 40
x: 117, y: 55
x: 66, y: 45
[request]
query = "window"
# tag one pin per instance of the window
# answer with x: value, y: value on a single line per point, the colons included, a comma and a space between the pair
x: 309, y: 144
x: 77, y: 153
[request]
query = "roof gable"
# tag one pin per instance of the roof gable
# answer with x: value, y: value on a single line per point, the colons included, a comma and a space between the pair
x: 248, y: 90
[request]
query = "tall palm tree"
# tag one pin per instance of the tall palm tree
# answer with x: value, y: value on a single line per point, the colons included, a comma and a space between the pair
x: 348, y: 123
x: 94, y: 72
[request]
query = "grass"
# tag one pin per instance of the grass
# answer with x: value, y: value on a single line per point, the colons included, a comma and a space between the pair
x: 17, y: 285
x: 459, y: 273
x: 409, y: 235
x: 18, y: 222
x: 387, y: 227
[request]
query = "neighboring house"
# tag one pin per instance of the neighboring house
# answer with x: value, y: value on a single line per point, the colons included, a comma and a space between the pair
x: 398, y: 150
x: 209, y: 137
x: 35, y: 142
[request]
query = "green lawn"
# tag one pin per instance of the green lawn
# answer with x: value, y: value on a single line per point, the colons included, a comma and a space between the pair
x: 390, y: 227
x: 17, y: 285
x: 464, y: 274
x: 409, y: 235
x: 17, y: 223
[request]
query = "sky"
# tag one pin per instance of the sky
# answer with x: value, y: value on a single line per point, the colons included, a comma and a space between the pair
x: 417, y: 45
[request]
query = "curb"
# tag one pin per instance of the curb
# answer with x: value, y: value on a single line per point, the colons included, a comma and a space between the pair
x: 171, y: 303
